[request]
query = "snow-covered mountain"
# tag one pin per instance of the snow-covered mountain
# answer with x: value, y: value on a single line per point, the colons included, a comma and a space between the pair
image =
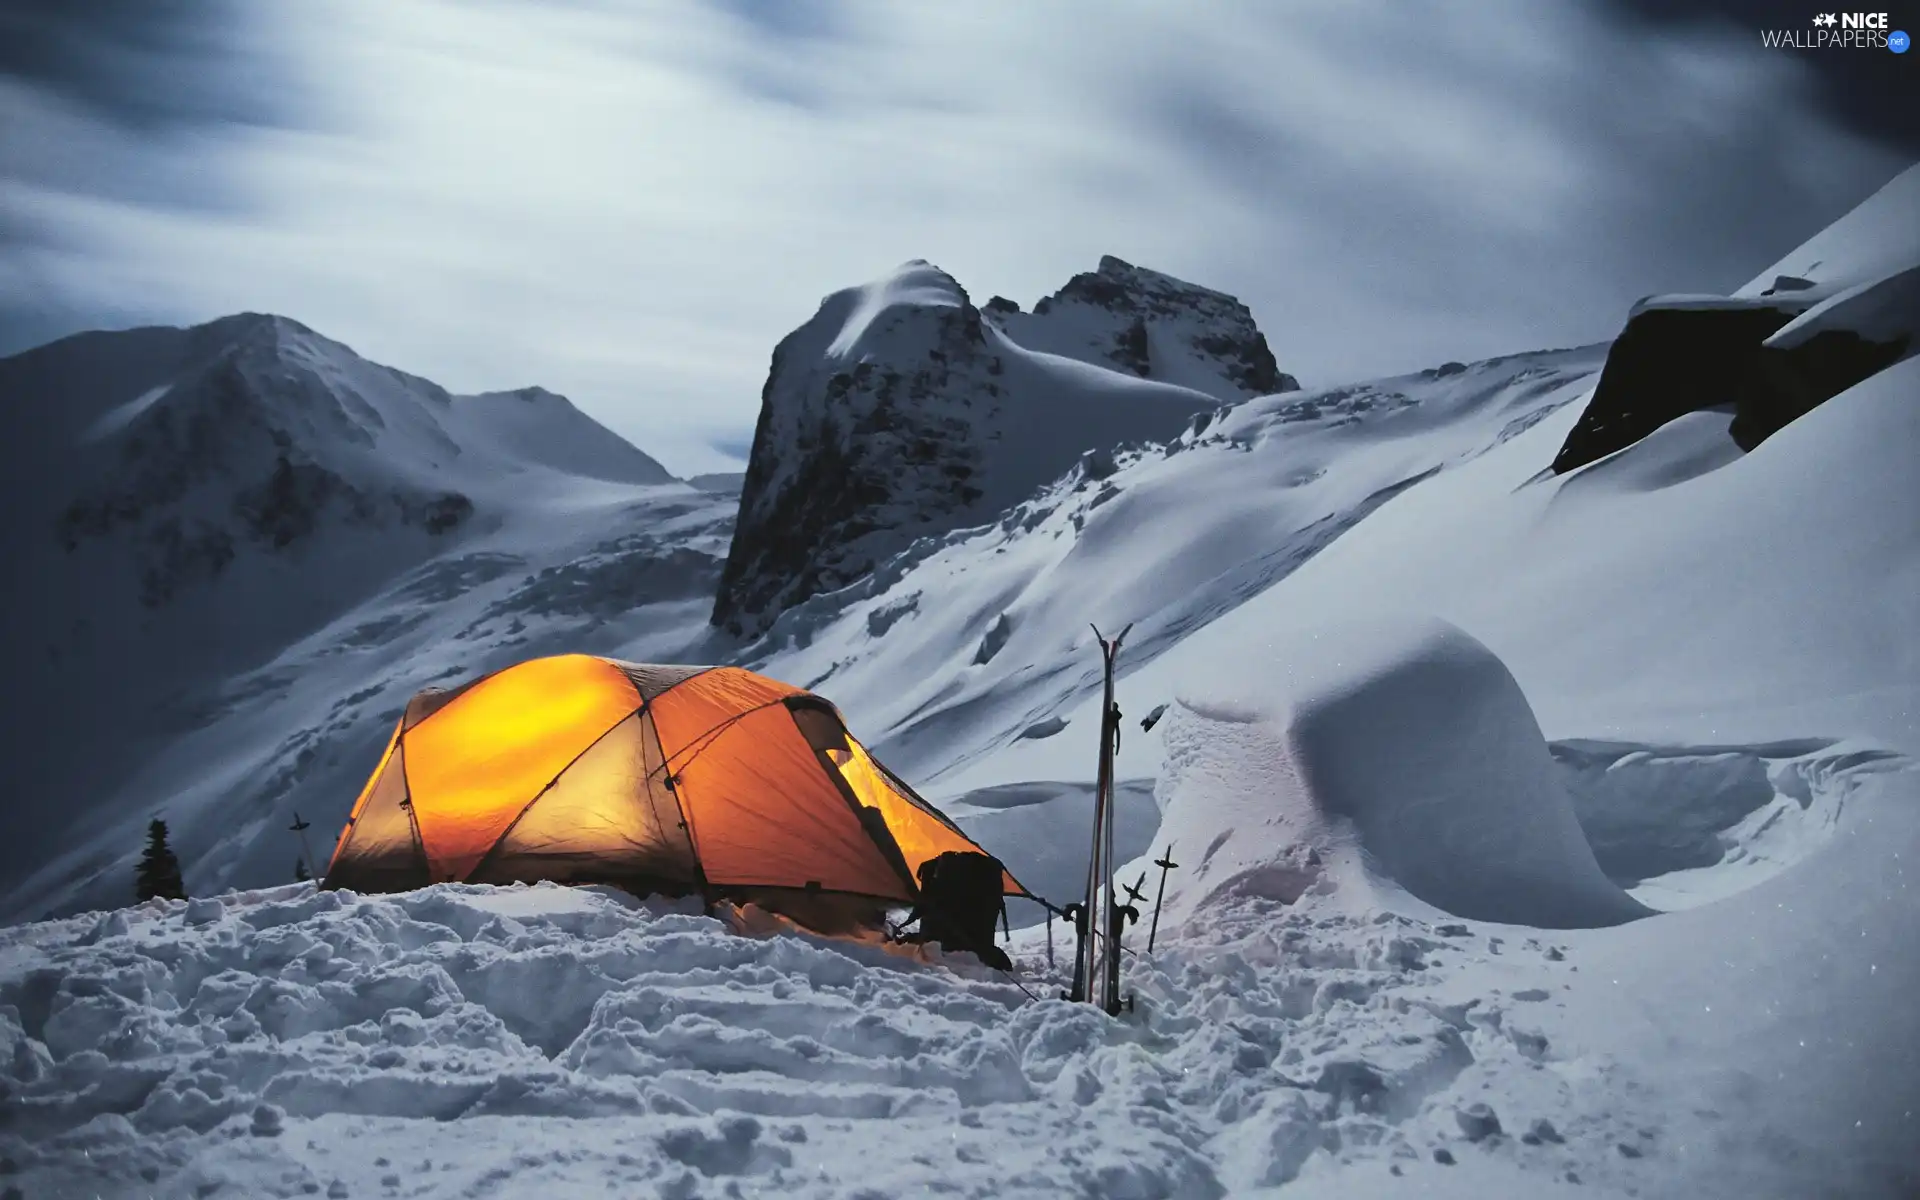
x: 1151, y: 325
x: 1542, y: 832
x: 901, y: 411
x: 239, y: 536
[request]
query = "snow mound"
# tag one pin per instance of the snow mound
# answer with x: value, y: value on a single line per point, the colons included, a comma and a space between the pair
x: 1393, y: 755
x: 1681, y: 826
x: 1878, y: 310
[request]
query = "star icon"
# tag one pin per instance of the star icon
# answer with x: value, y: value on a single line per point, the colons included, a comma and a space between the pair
x: 1826, y: 19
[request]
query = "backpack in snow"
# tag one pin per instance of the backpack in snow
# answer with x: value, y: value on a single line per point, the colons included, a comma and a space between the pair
x: 960, y: 900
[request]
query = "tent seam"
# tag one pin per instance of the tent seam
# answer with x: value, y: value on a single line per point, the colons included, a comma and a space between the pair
x: 493, y: 849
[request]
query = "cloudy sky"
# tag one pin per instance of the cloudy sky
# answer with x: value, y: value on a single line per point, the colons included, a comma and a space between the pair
x: 631, y: 201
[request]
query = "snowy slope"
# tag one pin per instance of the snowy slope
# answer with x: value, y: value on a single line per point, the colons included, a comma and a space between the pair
x: 900, y: 411
x: 253, y: 545
x: 1830, y: 315
x: 948, y: 654
x: 1879, y: 237
x: 532, y: 428
x: 1672, y: 590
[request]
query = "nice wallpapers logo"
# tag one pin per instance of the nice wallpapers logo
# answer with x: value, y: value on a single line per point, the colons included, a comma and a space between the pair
x: 1840, y: 31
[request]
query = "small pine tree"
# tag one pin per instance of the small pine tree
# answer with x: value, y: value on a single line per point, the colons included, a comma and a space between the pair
x: 159, y: 873
x: 300, y: 871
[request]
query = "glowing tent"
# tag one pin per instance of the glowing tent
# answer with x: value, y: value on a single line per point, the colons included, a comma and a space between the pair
x: 708, y: 780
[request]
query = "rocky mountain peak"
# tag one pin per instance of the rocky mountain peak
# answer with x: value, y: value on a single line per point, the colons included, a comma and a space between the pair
x: 1152, y: 325
x: 902, y: 411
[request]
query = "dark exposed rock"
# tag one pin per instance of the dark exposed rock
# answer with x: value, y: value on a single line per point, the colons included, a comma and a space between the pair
x: 1043, y: 728
x: 882, y: 448
x: 1215, y: 329
x: 883, y: 419
x: 1477, y: 1121
x: 1130, y: 348
x: 1673, y: 360
x: 1352, y: 1083
x: 995, y: 639
x: 887, y: 616
x: 1802, y: 378
x: 1098, y: 464
x: 725, y: 483
x: 1666, y: 363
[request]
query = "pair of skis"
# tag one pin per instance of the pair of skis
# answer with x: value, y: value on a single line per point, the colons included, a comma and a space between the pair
x: 1100, y: 921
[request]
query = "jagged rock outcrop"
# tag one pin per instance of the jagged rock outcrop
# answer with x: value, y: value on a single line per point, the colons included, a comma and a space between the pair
x: 1841, y: 307
x: 1683, y: 354
x: 901, y: 410
x: 1154, y: 326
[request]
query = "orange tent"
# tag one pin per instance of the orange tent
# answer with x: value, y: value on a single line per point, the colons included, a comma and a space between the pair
x: 710, y: 780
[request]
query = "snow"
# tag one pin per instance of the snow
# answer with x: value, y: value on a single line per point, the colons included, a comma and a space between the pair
x: 1711, y: 302
x: 1039, y: 829
x: 1401, y: 751
x: 1878, y: 237
x: 1168, y: 538
x: 917, y: 284
x: 1880, y: 310
x: 534, y: 426
x: 119, y: 417
x: 1672, y: 592
x: 1539, y: 836
x: 481, y: 1041
x: 724, y: 482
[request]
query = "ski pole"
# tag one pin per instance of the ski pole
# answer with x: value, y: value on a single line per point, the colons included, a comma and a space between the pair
x: 300, y: 827
x: 1166, y: 864
x: 1121, y: 916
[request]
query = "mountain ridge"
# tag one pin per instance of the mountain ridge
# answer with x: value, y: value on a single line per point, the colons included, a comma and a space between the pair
x: 900, y: 411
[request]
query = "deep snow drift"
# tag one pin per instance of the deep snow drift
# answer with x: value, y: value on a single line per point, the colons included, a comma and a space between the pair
x: 1399, y: 753
x: 471, y: 1041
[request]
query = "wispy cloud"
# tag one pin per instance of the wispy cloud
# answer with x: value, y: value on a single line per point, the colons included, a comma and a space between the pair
x: 631, y: 204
